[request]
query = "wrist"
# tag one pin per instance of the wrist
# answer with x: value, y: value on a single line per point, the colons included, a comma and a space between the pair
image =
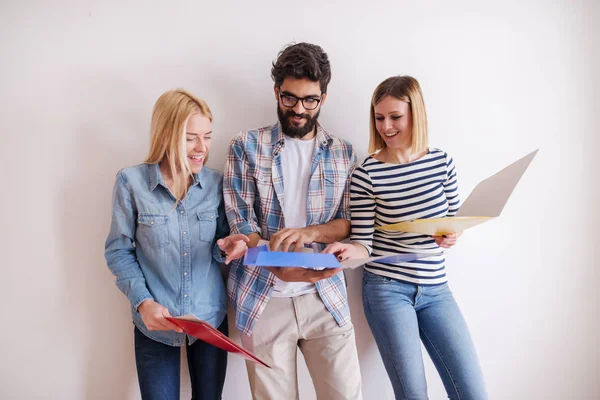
x: 254, y: 239
x: 144, y: 304
x: 361, y: 251
x: 312, y: 232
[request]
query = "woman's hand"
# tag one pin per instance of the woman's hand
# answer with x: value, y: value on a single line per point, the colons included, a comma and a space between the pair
x: 154, y: 317
x: 447, y: 241
x: 234, y: 246
x: 346, y: 251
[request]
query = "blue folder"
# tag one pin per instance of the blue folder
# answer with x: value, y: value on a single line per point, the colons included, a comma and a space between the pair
x: 260, y: 256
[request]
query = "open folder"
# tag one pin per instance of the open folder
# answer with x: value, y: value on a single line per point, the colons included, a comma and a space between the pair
x: 485, y: 202
x: 260, y: 256
x: 207, y: 333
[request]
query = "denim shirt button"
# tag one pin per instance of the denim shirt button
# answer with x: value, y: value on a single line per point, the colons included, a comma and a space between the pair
x: 181, y: 212
x: 184, y: 232
x: 185, y: 254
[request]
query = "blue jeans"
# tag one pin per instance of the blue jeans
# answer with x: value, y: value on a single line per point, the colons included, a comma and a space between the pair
x: 402, y: 314
x: 158, y: 368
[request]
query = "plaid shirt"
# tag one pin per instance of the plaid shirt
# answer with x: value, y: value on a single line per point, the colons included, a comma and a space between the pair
x: 253, y: 190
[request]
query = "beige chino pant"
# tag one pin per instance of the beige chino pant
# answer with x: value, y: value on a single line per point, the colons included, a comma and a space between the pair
x: 302, y: 322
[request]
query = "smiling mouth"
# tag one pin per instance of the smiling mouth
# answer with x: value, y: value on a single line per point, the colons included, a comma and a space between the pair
x: 196, y: 159
x: 389, y: 135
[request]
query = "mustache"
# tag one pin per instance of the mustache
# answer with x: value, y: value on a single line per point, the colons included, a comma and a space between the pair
x: 293, y: 114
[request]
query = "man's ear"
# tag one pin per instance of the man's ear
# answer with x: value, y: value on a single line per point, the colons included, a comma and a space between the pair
x: 276, y: 93
x: 323, y: 97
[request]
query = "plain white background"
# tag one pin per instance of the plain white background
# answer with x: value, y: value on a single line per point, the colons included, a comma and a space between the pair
x: 78, y: 80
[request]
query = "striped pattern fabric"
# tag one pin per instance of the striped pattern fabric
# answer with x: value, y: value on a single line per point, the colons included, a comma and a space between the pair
x: 253, y: 191
x: 383, y: 193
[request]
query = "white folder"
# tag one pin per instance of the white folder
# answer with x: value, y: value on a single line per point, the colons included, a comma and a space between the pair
x: 485, y: 202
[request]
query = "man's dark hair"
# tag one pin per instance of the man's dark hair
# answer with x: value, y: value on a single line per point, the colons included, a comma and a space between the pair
x: 302, y: 60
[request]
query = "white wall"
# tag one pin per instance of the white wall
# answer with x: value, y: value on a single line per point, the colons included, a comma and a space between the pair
x: 77, y: 83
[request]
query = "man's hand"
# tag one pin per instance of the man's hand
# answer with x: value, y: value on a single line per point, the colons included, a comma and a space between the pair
x: 297, y: 237
x: 299, y: 274
x: 292, y: 236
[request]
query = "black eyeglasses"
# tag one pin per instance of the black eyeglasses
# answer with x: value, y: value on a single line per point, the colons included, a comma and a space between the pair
x: 309, y: 102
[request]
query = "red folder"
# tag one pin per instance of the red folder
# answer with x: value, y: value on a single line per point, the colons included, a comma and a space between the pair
x: 204, y: 331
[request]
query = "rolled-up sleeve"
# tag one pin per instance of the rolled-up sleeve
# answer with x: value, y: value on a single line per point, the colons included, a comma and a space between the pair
x: 239, y: 190
x: 343, y: 211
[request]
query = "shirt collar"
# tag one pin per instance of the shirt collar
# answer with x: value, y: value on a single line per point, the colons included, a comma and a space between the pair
x: 323, y: 138
x: 155, y: 177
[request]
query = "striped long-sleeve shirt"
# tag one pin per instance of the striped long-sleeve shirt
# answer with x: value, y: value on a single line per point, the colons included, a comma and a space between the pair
x: 383, y: 193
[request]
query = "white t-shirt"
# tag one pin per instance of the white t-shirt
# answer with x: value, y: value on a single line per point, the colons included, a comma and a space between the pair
x: 296, y: 163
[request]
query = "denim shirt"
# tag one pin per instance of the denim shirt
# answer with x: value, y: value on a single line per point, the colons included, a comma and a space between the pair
x: 166, y: 253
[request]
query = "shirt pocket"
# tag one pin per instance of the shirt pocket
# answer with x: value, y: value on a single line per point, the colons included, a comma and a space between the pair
x: 153, y: 230
x: 333, y: 192
x: 208, y: 225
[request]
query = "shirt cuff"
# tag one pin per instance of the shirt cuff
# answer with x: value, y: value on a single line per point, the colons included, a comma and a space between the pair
x: 138, y: 296
x: 218, y: 255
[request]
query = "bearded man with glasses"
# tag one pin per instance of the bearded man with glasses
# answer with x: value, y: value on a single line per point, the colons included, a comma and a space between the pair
x: 289, y: 184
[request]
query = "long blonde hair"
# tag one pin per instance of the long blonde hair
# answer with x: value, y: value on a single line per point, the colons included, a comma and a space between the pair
x: 168, y: 132
x: 407, y: 89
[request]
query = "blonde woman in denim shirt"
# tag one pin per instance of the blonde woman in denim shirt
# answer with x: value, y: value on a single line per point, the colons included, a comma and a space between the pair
x: 167, y: 238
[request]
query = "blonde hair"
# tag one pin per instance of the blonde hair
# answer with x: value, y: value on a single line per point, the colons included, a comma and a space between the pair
x: 168, y: 133
x: 407, y: 89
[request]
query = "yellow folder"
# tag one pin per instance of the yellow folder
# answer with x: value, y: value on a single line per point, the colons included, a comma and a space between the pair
x: 485, y: 202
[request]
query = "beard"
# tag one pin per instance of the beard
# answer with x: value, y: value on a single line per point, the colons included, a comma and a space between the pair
x: 290, y: 129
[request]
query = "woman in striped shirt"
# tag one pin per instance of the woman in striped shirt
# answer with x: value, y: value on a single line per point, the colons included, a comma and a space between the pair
x: 409, y: 302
